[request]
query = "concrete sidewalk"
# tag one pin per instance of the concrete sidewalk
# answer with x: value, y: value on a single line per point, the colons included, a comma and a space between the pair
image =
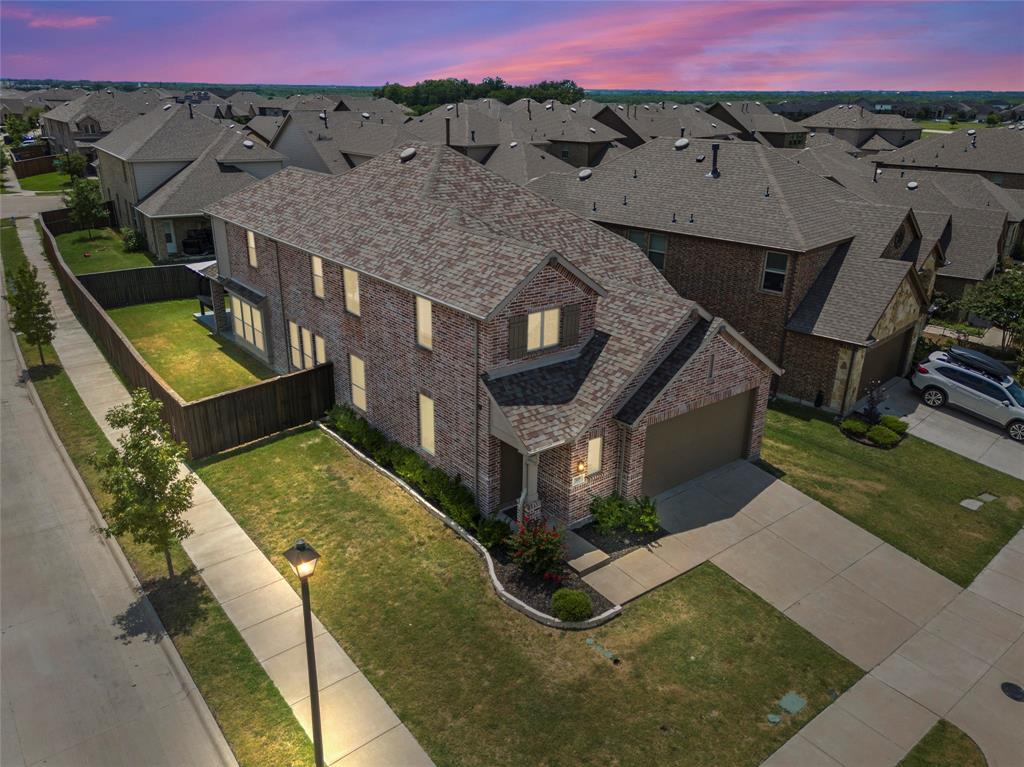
x: 81, y: 686
x: 359, y: 727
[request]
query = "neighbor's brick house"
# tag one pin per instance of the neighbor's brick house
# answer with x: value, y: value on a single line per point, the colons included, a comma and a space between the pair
x: 536, y: 356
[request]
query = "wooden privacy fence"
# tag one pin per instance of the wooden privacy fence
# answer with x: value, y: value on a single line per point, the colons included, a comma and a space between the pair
x: 126, y: 287
x: 33, y: 166
x: 214, y: 423
x: 59, y: 221
x: 28, y: 151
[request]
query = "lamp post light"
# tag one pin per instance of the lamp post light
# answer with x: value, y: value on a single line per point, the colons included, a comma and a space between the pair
x: 303, y: 558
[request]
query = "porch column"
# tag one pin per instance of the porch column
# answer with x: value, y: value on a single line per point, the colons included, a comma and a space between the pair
x: 529, y: 504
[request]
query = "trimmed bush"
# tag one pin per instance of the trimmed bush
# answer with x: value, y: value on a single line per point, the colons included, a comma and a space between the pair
x: 894, y: 424
x: 855, y: 426
x: 134, y: 240
x: 492, y: 532
x: 538, y: 549
x: 610, y: 513
x: 882, y: 436
x: 571, y: 605
x: 643, y: 516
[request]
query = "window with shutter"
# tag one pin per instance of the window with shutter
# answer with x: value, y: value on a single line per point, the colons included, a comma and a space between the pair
x: 517, y: 337
x: 570, y: 324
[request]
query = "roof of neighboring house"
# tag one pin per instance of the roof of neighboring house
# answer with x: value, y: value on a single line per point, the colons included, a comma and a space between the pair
x: 673, y: 121
x: 210, y: 109
x: 311, y: 102
x: 663, y: 187
x: 210, y: 177
x: 164, y: 134
x: 877, y: 144
x: 346, y: 134
x: 858, y: 118
x: 755, y: 116
x: 374, y: 107
x: 554, y: 121
x: 994, y: 150
x: 520, y: 161
x: 111, y: 110
x: 265, y: 126
x: 468, y: 127
x: 442, y: 226
x: 822, y: 138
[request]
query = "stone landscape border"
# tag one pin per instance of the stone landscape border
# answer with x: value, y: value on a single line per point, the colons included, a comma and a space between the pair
x: 499, y: 589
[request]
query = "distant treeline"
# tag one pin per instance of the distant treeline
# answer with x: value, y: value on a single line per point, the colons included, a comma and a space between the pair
x: 774, y: 97
x: 427, y: 94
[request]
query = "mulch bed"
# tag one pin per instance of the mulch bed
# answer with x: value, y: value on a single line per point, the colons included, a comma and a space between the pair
x: 619, y: 543
x: 534, y: 590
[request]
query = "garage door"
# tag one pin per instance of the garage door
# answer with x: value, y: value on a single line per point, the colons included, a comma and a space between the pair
x: 884, y: 361
x: 691, y: 444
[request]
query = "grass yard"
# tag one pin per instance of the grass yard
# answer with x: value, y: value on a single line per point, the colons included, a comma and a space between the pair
x: 702, y: 660
x: 257, y: 723
x: 52, y: 182
x: 909, y: 496
x: 105, y: 248
x: 195, y: 362
x: 945, y: 746
x: 10, y: 249
x: 942, y: 125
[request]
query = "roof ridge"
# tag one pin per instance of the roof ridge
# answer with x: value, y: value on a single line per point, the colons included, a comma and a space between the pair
x: 770, y: 172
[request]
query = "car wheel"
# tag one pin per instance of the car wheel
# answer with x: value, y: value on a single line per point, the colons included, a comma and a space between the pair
x: 933, y: 397
x: 1016, y: 431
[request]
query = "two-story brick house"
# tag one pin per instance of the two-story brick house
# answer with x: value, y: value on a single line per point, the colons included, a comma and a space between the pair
x: 830, y: 287
x: 535, y: 355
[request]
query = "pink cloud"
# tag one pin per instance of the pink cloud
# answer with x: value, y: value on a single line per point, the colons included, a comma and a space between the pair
x: 51, y: 20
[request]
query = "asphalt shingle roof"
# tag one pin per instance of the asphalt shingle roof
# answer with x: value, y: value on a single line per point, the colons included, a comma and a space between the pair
x: 858, y: 118
x: 164, y: 134
x: 755, y: 116
x: 110, y: 110
x: 991, y: 150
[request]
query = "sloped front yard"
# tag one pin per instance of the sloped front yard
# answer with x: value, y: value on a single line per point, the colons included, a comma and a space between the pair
x: 701, y: 661
x: 195, y: 362
x: 909, y: 497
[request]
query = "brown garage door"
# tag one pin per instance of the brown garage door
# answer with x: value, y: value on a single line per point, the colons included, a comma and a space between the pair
x: 688, y: 445
x: 884, y: 361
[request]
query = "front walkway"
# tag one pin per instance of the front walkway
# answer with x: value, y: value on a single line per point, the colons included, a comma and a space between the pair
x: 74, y: 691
x: 359, y: 727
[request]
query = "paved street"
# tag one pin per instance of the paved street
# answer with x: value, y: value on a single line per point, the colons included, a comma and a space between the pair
x: 74, y: 694
x: 28, y: 204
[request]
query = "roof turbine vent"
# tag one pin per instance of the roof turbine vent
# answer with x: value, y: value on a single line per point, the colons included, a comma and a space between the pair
x: 681, y: 143
x: 248, y: 144
x: 971, y: 132
x: 366, y: 115
x: 584, y: 174
x: 407, y: 154
x: 911, y: 185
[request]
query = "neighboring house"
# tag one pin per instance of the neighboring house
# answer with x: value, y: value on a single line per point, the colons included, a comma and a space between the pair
x: 470, y: 131
x: 866, y: 130
x: 572, y: 137
x: 77, y: 125
x: 816, y: 139
x: 756, y: 122
x: 642, y: 122
x: 334, y: 143
x: 537, y: 357
x: 373, y: 108
x: 172, y: 216
x: 17, y: 103
x: 264, y: 128
x: 995, y: 153
x: 142, y: 156
x: 829, y: 287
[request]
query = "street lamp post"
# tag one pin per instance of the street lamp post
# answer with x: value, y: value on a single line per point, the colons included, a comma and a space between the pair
x: 303, y: 558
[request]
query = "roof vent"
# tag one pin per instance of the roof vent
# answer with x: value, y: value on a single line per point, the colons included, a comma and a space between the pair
x: 696, y: 109
x: 231, y: 125
x: 700, y: 158
x: 620, y: 107
x: 248, y: 144
x: 812, y: 134
x: 682, y: 143
x: 971, y: 132
x: 728, y: 103
x: 513, y: 144
x: 549, y: 106
x: 675, y: 106
x: 166, y: 107
x: 366, y: 115
x: 714, y: 125
x: 585, y: 174
x: 407, y: 154
x: 592, y: 130
x: 572, y: 109
x: 911, y: 185
x: 647, y: 107
x: 449, y: 107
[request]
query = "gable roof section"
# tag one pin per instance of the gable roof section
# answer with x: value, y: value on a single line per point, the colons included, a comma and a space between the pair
x: 110, y: 110
x: 991, y: 150
x: 165, y: 134
x: 858, y: 118
x: 755, y: 116
x: 346, y: 134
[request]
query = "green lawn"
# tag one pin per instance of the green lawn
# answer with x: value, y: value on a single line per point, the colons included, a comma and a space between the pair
x: 702, y: 660
x: 105, y: 248
x: 945, y: 746
x: 54, y: 181
x: 909, y: 496
x: 10, y: 249
x: 945, y: 126
x: 195, y: 362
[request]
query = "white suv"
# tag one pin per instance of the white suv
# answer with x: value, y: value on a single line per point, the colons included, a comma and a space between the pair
x: 973, y: 382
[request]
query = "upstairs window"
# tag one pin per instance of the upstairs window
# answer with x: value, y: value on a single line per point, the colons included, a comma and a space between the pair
x: 654, y: 244
x: 542, y: 329
x: 317, y: 268
x: 351, y: 291
x: 775, y: 266
x: 424, y: 323
x: 357, y: 375
x: 250, y: 246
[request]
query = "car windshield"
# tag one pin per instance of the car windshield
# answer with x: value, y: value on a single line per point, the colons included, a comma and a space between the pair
x: 1017, y: 392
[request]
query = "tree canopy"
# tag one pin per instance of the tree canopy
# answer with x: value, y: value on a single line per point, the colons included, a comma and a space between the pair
x: 86, y: 206
x: 31, y: 312
x: 427, y: 94
x: 1000, y: 300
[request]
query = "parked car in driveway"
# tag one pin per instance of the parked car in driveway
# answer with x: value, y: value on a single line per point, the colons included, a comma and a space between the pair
x: 973, y: 382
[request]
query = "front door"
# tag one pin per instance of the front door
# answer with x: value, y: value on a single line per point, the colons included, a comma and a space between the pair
x: 172, y: 246
x: 511, y: 476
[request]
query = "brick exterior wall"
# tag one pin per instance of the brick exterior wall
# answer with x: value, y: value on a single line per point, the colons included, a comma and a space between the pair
x: 117, y: 183
x: 811, y: 365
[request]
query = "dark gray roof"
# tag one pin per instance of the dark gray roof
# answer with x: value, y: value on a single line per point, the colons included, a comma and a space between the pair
x: 877, y: 144
x: 110, y: 110
x: 234, y: 286
x: 673, y: 121
x: 858, y: 118
x: 164, y: 134
x: 467, y: 127
x: 663, y: 186
x: 520, y: 161
x: 755, y: 116
x: 347, y: 135
x: 265, y: 126
x: 555, y: 384
x: 990, y: 150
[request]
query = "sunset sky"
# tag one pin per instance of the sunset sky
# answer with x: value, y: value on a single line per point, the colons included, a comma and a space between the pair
x: 664, y: 45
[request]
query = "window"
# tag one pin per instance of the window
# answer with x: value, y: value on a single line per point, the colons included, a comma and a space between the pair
x: 247, y: 322
x: 542, y: 329
x: 317, y: 267
x: 656, y: 250
x: 639, y: 238
x: 426, y: 423
x: 351, y: 291
x: 307, y: 349
x: 250, y: 246
x: 357, y: 372
x: 424, y: 323
x: 595, y: 453
x: 565, y: 155
x: 774, y: 278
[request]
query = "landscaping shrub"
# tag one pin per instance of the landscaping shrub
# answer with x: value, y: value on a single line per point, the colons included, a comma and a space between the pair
x: 882, y: 436
x: 643, y: 516
x: 492, y: 532
x: 894, y: 424
x: 854, y: 426
x: 609, y: 513
x: 134, y: 240
x: 571, y: 605
x: 538, y: 549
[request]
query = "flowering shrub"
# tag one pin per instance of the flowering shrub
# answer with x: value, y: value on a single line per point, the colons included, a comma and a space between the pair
x: 538, y: 549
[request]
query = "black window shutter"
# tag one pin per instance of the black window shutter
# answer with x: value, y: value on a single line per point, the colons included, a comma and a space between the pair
x: 570, y: 332
x: 516, y: 337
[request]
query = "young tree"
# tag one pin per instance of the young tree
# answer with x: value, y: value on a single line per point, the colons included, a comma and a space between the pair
x: 992, y: 118
x: 142, y: 474
x: 83, y: 198
x: 31, y: 313
x: 71, y: 164
x: 1000, y: 300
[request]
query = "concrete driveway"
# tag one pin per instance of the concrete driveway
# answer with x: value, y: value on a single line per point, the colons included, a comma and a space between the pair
x: 955, y: 430
x: 21, y: 204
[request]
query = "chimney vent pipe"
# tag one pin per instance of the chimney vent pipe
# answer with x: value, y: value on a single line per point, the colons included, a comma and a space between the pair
x: 447, y: 131
x: 714, y: 161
